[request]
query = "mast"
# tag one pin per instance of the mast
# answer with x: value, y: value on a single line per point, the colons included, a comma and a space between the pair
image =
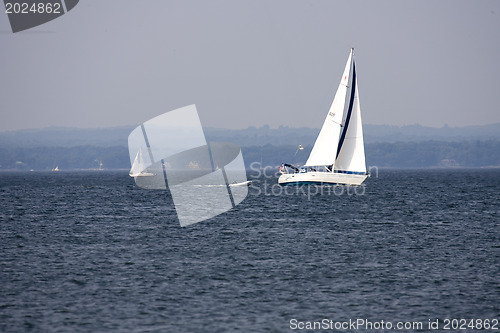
x: 348, y: 113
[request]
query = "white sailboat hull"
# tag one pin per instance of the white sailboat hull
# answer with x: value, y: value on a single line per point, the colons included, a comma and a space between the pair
x: 313, y: 177
x: 144, y: 174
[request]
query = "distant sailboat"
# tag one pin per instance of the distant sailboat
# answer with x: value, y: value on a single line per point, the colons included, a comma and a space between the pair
x: 138, y: 167
x: 56, y: 168
x: 338, y: 155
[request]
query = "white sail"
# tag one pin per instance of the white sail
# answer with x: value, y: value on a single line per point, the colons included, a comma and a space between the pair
x: 138, y: 165
x: 324, y: 151
x: 351, y: 157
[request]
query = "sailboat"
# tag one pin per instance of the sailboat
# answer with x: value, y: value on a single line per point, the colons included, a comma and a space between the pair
x: 338, y: 155
x: 138, y: 166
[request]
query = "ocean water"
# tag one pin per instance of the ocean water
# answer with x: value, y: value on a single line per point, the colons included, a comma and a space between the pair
x: 91, y: 252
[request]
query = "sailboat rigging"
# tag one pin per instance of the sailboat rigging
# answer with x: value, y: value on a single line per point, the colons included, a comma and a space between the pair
x: 338, y: 155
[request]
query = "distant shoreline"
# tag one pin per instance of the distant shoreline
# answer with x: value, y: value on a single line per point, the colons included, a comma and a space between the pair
x: 248, y: 171
x: 386, y: 146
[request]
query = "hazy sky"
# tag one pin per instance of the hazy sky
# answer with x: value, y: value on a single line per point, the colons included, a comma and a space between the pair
x: 251, y: 63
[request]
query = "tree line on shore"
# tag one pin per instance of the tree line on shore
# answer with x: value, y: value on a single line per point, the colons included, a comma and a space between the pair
x: 426, y: 154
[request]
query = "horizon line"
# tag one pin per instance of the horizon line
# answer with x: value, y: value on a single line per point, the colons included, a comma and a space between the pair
x: 55, y: 127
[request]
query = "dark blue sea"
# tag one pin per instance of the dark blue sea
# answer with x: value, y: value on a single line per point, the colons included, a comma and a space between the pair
x: 92, y: 252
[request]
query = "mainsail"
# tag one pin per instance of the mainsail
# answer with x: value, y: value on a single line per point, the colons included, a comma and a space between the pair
x: 351, y: 154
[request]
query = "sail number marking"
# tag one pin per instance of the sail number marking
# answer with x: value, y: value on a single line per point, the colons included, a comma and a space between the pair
x: 35, y: 8
x: 331, y: 114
